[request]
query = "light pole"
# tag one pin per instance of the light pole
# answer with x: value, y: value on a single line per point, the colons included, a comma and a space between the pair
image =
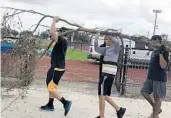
x: 156, y: 12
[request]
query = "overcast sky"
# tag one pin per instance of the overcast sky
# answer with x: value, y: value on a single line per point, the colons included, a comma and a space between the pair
x: 132, y: 16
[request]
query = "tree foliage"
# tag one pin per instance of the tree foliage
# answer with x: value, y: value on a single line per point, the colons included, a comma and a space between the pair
x: 26, y: 33
x: 45, y: 35
x: 81, y: 36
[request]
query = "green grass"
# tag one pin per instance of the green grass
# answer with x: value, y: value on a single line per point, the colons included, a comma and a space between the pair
x: 76, y: 55
x: 71, y: 54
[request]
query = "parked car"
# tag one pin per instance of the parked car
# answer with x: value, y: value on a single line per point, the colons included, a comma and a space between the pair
x: 92, y: 53
x: 141, y: 56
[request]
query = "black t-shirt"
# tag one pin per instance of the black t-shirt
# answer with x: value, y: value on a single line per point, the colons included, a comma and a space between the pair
x: 155, y: 72
x: 59, y: 53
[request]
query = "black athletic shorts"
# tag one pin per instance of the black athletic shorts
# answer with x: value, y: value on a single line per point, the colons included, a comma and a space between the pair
x: 105, y: 84
x: 53, y: 78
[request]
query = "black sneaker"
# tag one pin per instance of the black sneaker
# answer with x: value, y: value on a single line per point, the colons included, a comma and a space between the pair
x: 97, y: 117
x: 47, y: 108
x: 121, y: 112
x: 67, y: 107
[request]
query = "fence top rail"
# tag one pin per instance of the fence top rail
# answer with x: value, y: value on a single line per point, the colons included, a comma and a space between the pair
x: 141, y: 49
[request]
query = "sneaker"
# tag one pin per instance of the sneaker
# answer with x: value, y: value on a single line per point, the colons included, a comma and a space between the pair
x: 67, y: 107
x: 47, y: 108
x: 151, y: 116
x: 97, y: 117
x: 121, y: 112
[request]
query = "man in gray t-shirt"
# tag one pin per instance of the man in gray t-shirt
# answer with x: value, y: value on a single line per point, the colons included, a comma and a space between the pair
x: 108, y: 72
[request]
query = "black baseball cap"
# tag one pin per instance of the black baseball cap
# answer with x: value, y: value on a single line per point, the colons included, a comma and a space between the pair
x: 156, y: 38
x: 62, y: 29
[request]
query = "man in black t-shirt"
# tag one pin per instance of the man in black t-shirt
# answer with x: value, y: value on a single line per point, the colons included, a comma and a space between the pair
x: 156, y: 78
x: 56, y: 70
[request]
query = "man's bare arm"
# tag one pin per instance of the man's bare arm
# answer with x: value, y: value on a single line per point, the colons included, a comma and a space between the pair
x: 54, y: 34
x: 163, y: 60
x: 98, y: 49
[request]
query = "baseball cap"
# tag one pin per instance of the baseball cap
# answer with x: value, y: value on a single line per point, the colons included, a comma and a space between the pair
x: 156, y: 38
x: 62, y: 29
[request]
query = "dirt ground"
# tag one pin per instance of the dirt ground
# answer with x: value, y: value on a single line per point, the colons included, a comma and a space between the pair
x: 79, y: 71
x: 87, y: 71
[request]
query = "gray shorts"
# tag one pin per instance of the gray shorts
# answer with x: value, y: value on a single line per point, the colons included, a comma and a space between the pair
x: 157, y: 88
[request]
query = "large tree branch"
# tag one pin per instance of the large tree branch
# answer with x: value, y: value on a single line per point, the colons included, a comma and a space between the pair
x: 39, y: 23
x: 13, y: 14
x: 34, y: 12
x: 113, y: 32
x: 150, y: 44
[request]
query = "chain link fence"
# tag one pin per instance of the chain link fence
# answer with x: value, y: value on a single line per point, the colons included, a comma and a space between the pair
x: 133, y: 73
x: 79, y: 45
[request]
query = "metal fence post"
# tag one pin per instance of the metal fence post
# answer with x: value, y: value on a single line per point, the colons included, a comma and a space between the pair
x: 119, y: 72
x: 81, y: 45
x: 123, y: 82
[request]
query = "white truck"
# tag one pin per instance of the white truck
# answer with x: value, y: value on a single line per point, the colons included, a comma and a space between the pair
x: 138, y: 56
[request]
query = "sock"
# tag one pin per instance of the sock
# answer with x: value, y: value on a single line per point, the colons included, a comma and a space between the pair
x: 119, y: 109
x: 50, y: 103
x: 63, y: 101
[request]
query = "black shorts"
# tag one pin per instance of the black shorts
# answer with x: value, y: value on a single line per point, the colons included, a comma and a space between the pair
x: 105, y: 84
x: 53, y: 78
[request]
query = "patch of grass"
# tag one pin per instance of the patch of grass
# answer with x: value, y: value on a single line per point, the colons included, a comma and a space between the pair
x: 71, y: 54
x: 76, y: 55
x: 43, y: 43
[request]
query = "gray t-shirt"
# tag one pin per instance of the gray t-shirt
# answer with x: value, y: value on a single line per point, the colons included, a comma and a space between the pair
x: 111, y: 53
